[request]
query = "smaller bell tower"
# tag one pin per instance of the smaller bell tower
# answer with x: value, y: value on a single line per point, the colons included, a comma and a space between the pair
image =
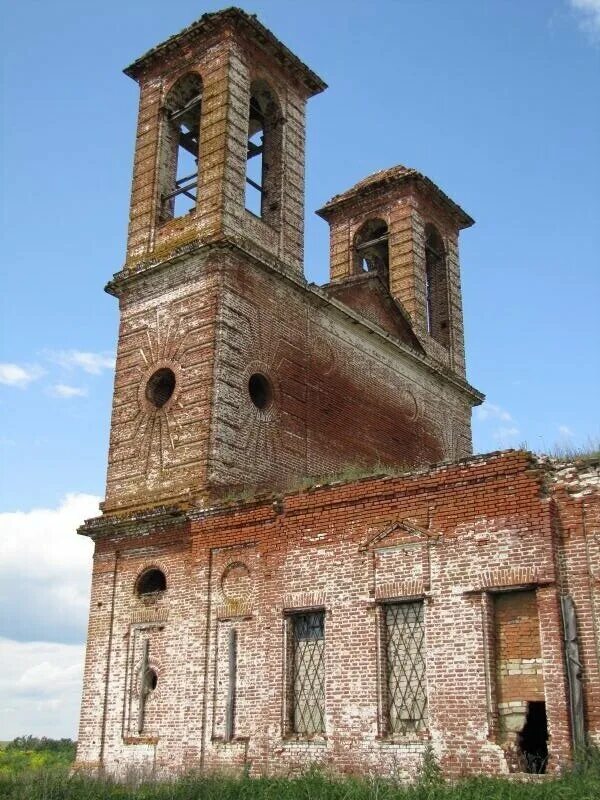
x: 399, y: 224
x: 220, y: 142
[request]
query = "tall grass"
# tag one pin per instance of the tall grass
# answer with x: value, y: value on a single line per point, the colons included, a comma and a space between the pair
x: 568, y: 451
x: 581, y: 783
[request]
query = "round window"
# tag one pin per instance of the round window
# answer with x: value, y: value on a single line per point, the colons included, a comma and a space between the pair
x: 160, y: 387
x: 260, y: 390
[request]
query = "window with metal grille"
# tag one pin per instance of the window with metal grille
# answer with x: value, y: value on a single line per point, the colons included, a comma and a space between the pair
x: 307, y: 673
x: 405, y: 667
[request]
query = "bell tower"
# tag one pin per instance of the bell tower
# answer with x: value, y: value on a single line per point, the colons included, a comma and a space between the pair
x: 400, y: 225
x: 220, y: 142
x: 218, y: 184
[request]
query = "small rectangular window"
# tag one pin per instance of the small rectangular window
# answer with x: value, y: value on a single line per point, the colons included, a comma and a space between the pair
x: 307, y: 673
x: 405, y: 680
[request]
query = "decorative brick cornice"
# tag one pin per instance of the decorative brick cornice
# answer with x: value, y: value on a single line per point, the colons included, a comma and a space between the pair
x: 133, y: 523
x: 249, y: 27
x: 317, y: 295
x: 393, y: 178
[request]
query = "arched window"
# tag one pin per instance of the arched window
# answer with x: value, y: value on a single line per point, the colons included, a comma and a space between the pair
x: 180, y: 148
x: 263, y: 158
x: 371, y: 250
x: 436, y: 287
x: 151, y: 581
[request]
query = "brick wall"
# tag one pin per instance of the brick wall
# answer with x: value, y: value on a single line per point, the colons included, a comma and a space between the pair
x: 517, y: 661
x: 342, y: 396
x: 576, y: 515
x: 155, y: 454
x: 343, y: 393
x: 456, y: 536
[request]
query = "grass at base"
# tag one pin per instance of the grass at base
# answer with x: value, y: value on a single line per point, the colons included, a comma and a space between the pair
x: 56, y: 784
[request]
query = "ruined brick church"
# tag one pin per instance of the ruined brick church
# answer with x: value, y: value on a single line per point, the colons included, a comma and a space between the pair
x: 247, y: 612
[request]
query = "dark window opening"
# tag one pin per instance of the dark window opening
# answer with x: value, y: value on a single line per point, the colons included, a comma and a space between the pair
x: 533, y: 738
x: 148, y: 683
x: 160, y: 387
x: 436, y: 287
x: 180, y: 148
x: 263, y: 155
x: 307, y: 673
x: 150, y: 581
x: 231, y: 687
x: 371, y: 248
x: 260, y: 390
x: 151, y: 679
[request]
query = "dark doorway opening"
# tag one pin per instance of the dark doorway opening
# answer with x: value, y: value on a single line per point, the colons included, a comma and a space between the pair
x: 533, y: 739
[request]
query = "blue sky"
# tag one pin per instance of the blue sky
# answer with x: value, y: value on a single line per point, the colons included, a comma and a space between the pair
x: 497, y: 101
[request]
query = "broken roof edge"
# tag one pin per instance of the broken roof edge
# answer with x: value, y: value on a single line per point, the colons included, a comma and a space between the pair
x: 249, y: 22
x: 308, y: 486
x: 381, y: 180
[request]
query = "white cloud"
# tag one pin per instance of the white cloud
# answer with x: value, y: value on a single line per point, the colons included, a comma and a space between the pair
x: 40, y: 688
x: 17, y: 375
x: 588, y: 12
x: 93, y: 363
x: 45, y: 571
x: 492, y: 412
x: 65, y: 391
x: 565, y: 431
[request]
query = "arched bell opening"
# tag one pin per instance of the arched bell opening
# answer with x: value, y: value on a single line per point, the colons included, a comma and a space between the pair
x: 264, y: 155
x: 180, y: 148
x: 371, y: 248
